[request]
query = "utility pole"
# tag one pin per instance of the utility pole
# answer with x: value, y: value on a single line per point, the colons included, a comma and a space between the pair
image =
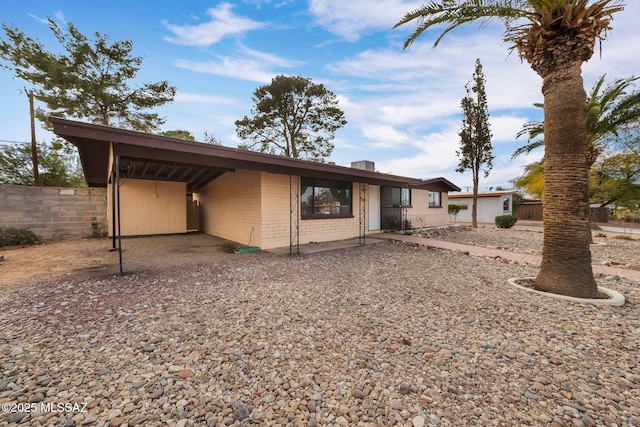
x: 34, y: 147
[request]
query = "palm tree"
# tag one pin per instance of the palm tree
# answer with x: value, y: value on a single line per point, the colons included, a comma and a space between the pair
x: 555, y: 37
x: 609, y: 111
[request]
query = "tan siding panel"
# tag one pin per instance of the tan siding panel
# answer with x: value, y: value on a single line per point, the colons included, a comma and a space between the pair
x: 151, y: 207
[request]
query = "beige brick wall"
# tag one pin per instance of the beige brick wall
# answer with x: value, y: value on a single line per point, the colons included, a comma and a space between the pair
x: 275, y: 210
x: 234, y: 203
x: 230, y: 207
x: 276, y: 223
x: 55, y: 213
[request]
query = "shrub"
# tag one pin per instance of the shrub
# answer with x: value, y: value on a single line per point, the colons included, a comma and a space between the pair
x: 10, y: 236
x: 505, y: 221
x: 454, y: 210
x: 601, y: 235
x: 631, y: 217
x: 407, y: 226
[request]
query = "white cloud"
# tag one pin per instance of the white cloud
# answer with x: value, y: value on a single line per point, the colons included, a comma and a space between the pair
x: 505, y: 128
x: 237, y: 68
x: 59, y: 16
x: 252, y: 66
x: 436, y: 153
x: 384, y: 136
x: 269, y: 58
x: 352, y: 19
x: 223, y: 23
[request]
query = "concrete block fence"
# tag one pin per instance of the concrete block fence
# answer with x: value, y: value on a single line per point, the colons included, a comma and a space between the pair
x: 55, y: 213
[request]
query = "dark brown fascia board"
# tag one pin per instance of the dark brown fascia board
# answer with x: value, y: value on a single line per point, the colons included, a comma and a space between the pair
x: 128, y: 142
x: 437, y: 184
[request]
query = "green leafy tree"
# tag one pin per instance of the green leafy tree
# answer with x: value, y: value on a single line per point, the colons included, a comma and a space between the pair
x: 89, y: 79
x: 616, y: 180
x: 475, y: 151
x: 210, y: 138
x: 57, y: 167
x: 180, y: 134
x: 293, y: 117
x: 555, y: 37
x: 533, y: 179
x: 610, y: 110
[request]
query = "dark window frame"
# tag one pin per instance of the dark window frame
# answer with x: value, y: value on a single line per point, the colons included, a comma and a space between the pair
x: 333, y: 185
x: 439, y: 201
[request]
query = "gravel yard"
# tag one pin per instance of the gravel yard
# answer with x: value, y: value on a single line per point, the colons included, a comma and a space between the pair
x: 380, y: 335
x: 610, y: 250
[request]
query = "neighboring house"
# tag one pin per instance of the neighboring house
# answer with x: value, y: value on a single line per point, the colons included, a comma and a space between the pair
x: 490, y: 205
x: 275, y: 201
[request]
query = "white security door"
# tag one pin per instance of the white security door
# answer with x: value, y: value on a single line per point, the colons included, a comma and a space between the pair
x: 374, y: 207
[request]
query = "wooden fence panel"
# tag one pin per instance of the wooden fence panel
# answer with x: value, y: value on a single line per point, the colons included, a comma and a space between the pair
x: 533, y: 212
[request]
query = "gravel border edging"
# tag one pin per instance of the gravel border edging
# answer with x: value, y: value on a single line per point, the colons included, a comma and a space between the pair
x: 616, y: 300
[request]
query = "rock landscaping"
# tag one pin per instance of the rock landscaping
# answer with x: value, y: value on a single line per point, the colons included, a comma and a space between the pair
x: 380, y: 335
x: 610, y: 250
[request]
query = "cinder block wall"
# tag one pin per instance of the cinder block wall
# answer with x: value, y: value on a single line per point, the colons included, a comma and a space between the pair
x: 55, y: 213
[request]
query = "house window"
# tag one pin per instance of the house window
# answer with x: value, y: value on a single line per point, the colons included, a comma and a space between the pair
x: 323, y: 198
x: 395, y: 197
x: 505, y: 205
x: 435, y: 199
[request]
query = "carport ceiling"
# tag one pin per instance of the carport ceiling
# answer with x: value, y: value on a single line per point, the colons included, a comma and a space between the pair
x: 194, y: 176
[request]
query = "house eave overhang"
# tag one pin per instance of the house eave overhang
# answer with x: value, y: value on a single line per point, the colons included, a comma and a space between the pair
x: 442, y: 185
x: 94, y: 143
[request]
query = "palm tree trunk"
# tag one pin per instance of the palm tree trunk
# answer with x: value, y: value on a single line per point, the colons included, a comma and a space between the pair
x: 566, y: 257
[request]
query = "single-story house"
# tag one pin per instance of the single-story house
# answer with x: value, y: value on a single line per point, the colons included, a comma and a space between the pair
x: 490, y: 205
x: 154, y: 182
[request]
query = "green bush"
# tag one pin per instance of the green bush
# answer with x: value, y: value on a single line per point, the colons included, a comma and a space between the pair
x: 10, y: 236
x: 505, y: 221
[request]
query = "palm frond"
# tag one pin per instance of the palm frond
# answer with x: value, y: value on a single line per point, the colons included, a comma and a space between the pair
x: 455, y: 13
x: 526, y: 149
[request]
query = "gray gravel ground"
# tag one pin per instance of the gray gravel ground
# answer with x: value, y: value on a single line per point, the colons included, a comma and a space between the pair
x: 382, y: 335
x: 607, y: 249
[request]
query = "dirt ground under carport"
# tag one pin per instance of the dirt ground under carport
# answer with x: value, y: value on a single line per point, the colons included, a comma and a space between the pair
x: 31, y: 264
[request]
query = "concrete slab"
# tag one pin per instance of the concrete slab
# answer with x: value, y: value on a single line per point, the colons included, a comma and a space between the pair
x: 311, y: 248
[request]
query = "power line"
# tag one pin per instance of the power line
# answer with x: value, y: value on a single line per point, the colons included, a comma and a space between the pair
x: 14, y: 142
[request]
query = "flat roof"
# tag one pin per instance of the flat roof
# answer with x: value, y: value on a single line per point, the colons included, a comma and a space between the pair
x: 149, y: 156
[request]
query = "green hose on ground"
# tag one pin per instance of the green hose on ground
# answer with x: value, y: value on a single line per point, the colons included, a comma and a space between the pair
x: 247, y: 249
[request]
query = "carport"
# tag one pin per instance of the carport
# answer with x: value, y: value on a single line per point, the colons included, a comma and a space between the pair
x: 109, y: 155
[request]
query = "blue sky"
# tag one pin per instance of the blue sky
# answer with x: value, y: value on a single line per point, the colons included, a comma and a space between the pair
x: 402, y: 107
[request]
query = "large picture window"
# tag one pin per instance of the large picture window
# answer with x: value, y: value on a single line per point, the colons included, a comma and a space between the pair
x: 435, y: 199
x: 323, y: 198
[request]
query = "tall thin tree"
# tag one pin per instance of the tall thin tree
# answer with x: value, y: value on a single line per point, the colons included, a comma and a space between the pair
x: 475, y: 136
